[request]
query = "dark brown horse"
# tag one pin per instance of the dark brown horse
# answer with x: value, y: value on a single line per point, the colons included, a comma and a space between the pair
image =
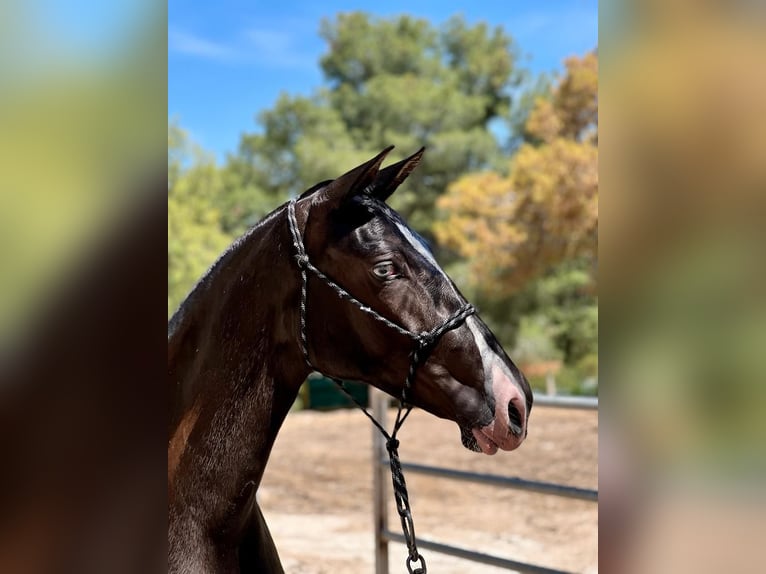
x: 236, y: 355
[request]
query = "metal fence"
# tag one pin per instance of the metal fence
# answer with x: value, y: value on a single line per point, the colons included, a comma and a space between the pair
x: 381, y: 480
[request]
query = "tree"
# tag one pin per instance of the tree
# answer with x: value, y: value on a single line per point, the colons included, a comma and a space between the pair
x: 518, y: 227
x: 397, y: 81
x: 195, y: 234
x: 565, y: 298
x: 534, y: 90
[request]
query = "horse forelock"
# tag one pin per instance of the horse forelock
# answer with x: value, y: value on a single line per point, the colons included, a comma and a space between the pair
x: 381, y: 209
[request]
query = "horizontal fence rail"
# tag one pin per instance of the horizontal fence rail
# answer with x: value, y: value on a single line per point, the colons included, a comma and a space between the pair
x: 383, y: 535
x: 565, y: 402
x: 539, y: 487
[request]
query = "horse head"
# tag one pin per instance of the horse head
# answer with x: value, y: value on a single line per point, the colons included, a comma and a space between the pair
x: 366, y: 249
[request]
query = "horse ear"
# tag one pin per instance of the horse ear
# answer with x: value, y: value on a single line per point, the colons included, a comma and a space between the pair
x: 390, y: 178
x: 352, y: 182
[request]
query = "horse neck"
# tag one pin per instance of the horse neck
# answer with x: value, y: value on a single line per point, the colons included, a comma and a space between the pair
x: 233, y: 353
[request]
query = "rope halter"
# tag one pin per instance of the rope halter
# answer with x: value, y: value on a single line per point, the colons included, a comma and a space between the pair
x: 425, y: 342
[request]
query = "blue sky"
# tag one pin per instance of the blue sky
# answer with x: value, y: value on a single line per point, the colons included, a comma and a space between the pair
x: 230, y: 59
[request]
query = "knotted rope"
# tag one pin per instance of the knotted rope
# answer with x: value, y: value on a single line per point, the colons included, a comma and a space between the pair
x: 424, y: 344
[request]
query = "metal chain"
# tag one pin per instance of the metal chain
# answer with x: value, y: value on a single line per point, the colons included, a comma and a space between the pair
x: 401, y: 496
x: 425, y: 342
x: 403, y: 508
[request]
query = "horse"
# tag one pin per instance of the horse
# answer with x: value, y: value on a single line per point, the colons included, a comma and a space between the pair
x: 333, y: 281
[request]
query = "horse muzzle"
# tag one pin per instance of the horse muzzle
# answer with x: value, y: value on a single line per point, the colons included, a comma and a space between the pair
x: 508, y: 428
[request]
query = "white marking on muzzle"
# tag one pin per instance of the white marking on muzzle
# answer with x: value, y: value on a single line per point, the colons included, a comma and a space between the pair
x: 498, y: 383
x: 498, y: 380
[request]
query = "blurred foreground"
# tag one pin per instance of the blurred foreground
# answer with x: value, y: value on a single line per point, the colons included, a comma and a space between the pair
x: 683, y: 427
x: 82, y: 234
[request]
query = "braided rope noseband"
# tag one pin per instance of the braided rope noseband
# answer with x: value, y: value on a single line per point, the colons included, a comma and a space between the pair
x: 424, y: 344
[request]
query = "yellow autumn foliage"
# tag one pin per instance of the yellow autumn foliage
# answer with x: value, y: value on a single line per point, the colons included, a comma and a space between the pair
x: 513, y: 228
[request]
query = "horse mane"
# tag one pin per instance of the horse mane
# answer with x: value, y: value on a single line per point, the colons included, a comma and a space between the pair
x: 180, y: 319
x: 314, y: 188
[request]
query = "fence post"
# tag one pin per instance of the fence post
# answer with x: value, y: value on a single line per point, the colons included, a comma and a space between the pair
x: 379, y: 403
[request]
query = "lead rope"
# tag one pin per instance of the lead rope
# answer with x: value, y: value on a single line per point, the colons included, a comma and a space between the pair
x: 425, y: 342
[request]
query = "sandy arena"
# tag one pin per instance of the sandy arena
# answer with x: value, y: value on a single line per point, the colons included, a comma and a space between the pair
x: 317, y: 494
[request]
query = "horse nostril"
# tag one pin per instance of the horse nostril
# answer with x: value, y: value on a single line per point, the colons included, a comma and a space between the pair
x: 515, y: 419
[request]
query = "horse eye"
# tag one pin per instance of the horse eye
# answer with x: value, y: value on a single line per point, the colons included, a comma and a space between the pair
x: 384, y: 270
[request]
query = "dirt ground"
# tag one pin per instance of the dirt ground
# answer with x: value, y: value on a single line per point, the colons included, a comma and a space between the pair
x: 317, y: 494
